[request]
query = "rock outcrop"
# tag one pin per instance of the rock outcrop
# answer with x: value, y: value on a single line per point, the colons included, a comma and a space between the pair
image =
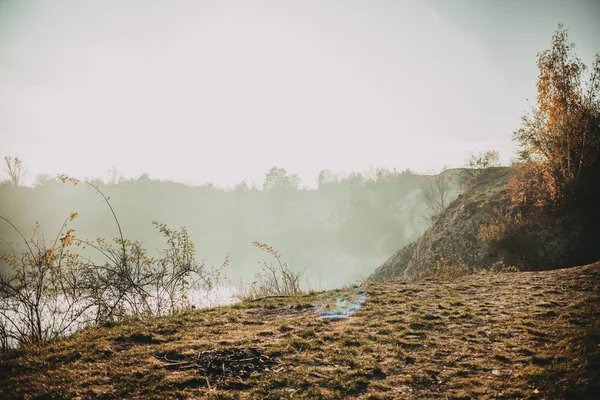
x: 542, y: 240
x: 454, y: 232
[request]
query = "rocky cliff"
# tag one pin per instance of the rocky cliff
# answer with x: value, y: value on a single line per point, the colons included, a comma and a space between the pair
x: 544, y: 240
x: 537, y: 240
x: 454, y: 232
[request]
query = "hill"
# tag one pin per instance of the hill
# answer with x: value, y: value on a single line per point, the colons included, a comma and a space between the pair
x: 508, y: 335
x: 455, y: 242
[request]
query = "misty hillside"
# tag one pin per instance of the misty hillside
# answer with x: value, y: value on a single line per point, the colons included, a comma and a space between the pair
x: 482, y: 230
x: 336, y: 233
x: 532, y: 335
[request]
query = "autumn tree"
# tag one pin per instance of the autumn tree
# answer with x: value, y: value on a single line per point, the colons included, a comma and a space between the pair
x: 560, y: 138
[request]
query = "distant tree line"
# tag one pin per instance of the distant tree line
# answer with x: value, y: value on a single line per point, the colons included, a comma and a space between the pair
x: 348, y: 223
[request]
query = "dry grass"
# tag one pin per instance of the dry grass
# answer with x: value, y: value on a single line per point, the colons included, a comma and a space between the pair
x: 518, y: 335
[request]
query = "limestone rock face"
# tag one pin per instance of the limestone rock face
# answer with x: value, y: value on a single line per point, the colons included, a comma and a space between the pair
x: 395, y: 265
x: 454, y: 232
x: 544, y: 239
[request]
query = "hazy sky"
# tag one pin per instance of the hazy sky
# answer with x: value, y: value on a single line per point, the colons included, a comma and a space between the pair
x: 221, y: 91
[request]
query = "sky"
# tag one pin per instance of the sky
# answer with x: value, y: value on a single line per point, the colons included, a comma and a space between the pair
x: 221, y: 91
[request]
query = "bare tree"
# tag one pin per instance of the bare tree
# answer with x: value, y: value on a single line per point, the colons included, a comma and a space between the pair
x: 15, y: 170
x: 435, y: 191
x: 114, y: 176
x: 42, y: 179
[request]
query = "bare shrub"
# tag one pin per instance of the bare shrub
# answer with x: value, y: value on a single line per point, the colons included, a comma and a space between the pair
x: 499, y: 226
x: 435, y: 191
x: 51, y: 289
x: 506, y: 234
x: 476, y: 164
x: 42, y: 296
x: 527, y: 240
x: 445, y: 267
x: 274, y: 279
x: 501, y: 267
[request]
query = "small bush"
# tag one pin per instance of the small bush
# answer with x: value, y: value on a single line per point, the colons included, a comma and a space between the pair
x: 50, y: 289
x: 274, y: 279
x: 502, y: 230
x: 476, y: 164
x: 445, y: 267
x: 532, y: 185
x: 501, y: 267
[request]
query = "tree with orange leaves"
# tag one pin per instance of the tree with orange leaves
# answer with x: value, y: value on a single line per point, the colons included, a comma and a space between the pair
x: 560, y: 138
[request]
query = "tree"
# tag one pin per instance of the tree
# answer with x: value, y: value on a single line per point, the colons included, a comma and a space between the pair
x: 42, y: 179
x: 435, y: 191
x: 15, y: 170
x: 113, y: 176
x: 325, y: 177
x: 561, y: 135
x: 278, y: 178
x: 144, y: 178
x: 241, y: 187
x: 479, y: 162
x: 476, y: 164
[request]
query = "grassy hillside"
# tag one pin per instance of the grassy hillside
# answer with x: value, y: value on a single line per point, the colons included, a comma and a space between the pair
x: 510, y: 335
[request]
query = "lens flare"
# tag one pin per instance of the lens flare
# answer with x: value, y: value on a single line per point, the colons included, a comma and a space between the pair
x: 342, y: 304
